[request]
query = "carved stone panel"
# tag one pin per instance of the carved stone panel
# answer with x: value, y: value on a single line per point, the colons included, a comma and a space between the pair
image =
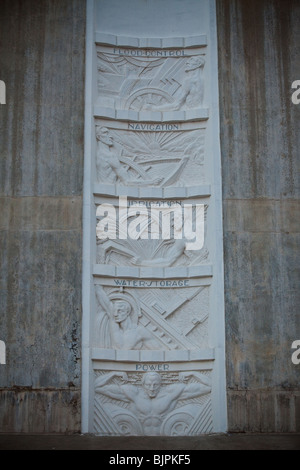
x: 152, y: 403
x: 152, y: 318
x: 159, y: 253
x: 150, y: 79
x: 149, y: 154
x: 153, y: 331
x: 151, y: 233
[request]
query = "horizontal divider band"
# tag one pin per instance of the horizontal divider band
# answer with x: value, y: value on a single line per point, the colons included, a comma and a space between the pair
x: 152, y: 193
x: 132, y: 272
x: 152, y: 356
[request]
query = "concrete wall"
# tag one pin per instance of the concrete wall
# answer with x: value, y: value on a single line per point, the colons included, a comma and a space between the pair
x: 41, y: 148
x: 259, y: 58
x: 42, y: 63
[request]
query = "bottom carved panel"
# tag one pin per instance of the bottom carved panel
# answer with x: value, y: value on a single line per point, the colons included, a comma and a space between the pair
x: 152, y: 403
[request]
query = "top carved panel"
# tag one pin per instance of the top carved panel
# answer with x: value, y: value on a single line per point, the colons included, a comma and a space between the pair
x: 150, y: 79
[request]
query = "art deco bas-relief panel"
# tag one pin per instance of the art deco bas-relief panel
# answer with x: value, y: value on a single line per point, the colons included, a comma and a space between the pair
x: 152, y: 403
x: 151, y: 348
x: 141, y: 154
x: 136, y: 239
x: 146, y: 154
x: 152, y: 318
x: 150, y: 80
x: 150, y: 253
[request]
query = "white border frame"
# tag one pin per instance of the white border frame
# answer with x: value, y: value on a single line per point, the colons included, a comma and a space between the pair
x: 217, y: 327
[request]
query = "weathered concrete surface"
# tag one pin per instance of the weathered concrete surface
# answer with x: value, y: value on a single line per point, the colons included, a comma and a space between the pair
x: 259, y: 58
x: 193, y: 443
x: 41, y: 146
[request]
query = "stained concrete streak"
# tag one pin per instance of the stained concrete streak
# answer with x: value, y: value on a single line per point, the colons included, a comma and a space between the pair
x: 258, y: 62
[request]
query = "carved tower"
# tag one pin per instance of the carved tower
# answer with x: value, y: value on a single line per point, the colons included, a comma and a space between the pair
x: 153, y: 356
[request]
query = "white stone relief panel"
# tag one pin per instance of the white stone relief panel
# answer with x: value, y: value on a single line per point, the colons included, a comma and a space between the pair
x: 152, y: 403
x: 150, y: 154
x: 151, y: 233
x: 153, y: 318
x: 150, y: 79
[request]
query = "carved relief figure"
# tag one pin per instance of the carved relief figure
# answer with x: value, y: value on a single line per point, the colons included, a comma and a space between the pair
x: 150, y: 158
x: 176, y: 249
x: 152, y: 403
x: 110, y: 163
x: 192, y: 88
x: 152, y: 318
x: 124, y: 328
x: 147, y: 83
x: 191, y: 92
